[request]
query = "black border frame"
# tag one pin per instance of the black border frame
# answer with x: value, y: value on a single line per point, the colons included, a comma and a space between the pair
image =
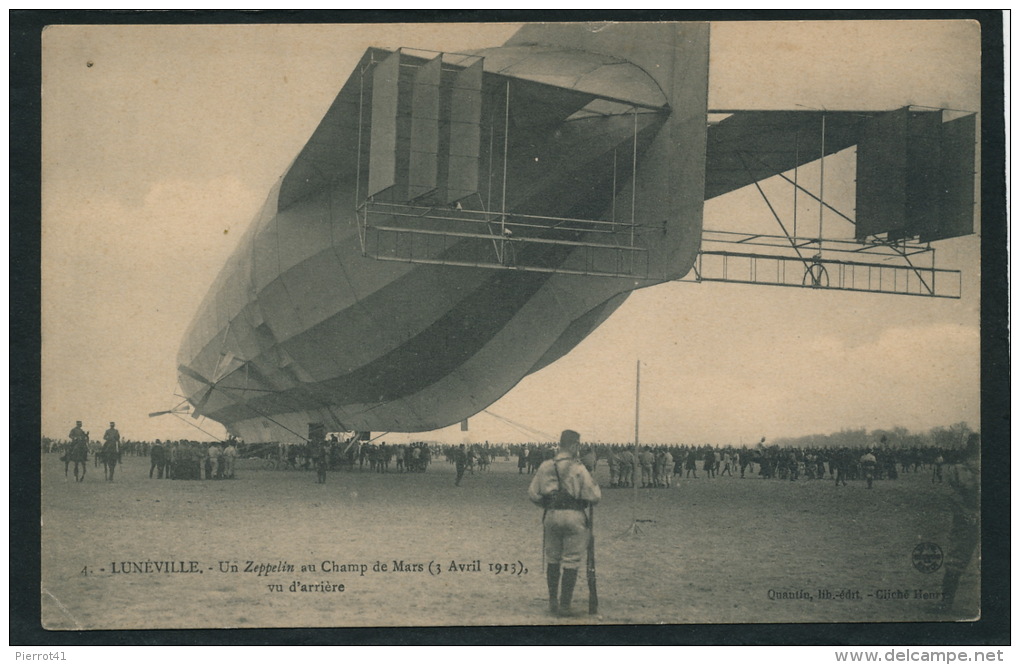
x: 25, y: 30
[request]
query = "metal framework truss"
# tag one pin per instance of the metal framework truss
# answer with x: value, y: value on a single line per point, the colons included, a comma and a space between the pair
x: 873, y: 266
x: 471, y: 238
x: 478, y: 239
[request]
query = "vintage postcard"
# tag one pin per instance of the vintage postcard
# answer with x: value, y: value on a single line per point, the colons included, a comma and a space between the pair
x: 510, y: 324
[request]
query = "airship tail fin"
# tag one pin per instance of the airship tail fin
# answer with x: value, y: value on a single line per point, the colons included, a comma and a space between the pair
x: 670, y: 179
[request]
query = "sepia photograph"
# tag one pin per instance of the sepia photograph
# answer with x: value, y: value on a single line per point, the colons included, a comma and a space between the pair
x: 603, y: 323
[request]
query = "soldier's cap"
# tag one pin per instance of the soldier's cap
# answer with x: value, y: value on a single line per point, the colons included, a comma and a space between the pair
x: 112, y: 423
x: 569, y: 438
x: 77, y: 422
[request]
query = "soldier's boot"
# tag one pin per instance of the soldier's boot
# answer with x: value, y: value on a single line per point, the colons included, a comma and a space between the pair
x: 567, y: 590
x: 552, y: 578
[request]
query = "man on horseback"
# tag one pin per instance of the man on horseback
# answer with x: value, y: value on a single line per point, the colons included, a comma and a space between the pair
x: 111, y: 451
x: 78, y: 452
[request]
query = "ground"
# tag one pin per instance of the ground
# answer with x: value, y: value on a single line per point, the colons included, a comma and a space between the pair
x: 727, y: 550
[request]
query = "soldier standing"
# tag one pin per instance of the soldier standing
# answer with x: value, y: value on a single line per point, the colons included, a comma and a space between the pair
x: 691, y: 465
x: 628, y: 460
x: 710, y: 463
x: 460, y: 459
x: 841, y: 460
x: 534, y: 458
x: 614, y: 467
x: 320, y: 454
x: 416, y: 458
x: 229, y: 455
x: 157, y: 459
x: 868, y: 463
x: 646, y: 460
x: 212, y: 460
x: 726, y: 464
x: 564, y: 489
x: 318, y: 451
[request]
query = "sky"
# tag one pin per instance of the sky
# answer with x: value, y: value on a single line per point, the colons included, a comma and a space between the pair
x: 160, y: 144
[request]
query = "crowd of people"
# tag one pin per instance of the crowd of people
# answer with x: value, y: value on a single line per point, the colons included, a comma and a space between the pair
x: 352, y: 454
x: 647, y: 466
x: 658, y: 466
x: 192, y: 460
x: 195, y: 460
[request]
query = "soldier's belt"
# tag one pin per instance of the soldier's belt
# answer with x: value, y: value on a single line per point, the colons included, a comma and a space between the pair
x: 565, y: 502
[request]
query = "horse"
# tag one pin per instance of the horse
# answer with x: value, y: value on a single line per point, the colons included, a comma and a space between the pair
x: 110, y: 456
x: 79, y: 454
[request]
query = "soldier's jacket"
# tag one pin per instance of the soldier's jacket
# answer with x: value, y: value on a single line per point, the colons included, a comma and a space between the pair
x: 563, y: 474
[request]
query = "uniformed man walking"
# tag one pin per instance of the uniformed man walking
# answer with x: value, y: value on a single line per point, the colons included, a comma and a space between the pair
x: 563, y: 487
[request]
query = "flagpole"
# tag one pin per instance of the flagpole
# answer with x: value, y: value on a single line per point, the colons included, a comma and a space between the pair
x: 637, y: 404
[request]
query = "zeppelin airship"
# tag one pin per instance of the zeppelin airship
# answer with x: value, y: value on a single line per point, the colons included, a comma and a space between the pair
x: 458, y: 221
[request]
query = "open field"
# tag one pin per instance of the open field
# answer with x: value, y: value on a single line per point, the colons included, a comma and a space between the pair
x: 707, y: 551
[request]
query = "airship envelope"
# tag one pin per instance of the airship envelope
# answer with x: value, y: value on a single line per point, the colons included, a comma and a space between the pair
x: 458, y: 221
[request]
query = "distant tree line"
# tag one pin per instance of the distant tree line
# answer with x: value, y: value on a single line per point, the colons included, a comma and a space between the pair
x: 953, y: 436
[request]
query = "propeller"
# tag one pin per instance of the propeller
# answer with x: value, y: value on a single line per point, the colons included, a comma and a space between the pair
x: 180, y: 408
x: 223, y: 370
x: 187, y: 371
x: 163, y: 413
